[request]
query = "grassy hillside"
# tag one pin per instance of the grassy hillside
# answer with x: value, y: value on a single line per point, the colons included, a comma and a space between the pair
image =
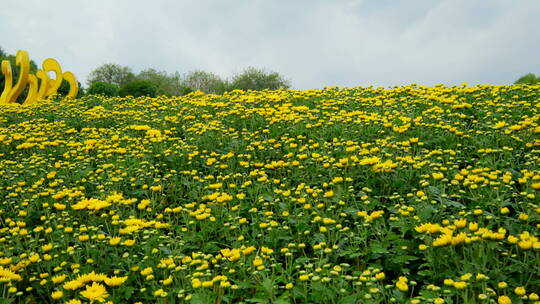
x: 362, y: 195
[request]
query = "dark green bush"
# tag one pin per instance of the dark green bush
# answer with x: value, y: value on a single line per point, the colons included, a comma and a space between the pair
x: 185, y: 90
x: 139, y: 88
x: 103, y: 88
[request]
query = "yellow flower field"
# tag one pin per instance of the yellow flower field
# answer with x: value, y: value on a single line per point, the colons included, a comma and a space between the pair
x: 362, y: 195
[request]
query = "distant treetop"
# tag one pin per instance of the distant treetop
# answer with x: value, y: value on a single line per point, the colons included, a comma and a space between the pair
x: 528, y: 79
x: 259, y: 79
x: 111, y: 73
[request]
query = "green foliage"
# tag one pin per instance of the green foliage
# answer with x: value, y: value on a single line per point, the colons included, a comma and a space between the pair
x: 63, y: 90
x: 104, y: 88
x: 111, y: 73
x: 528, y: 79
x: 173, y: 84
x: 185, y: 90
x: 258, y: 79
x: 165, y: 84
x: 205, y: 81
x: 139, y: 88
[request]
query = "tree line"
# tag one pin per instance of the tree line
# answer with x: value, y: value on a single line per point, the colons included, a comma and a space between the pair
x: 116, y: 80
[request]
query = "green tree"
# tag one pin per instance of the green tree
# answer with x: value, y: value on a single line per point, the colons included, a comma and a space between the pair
x: 111, y: 73
x: 259, y: 79
x: 103, y: 88
x: 138, y: 88
x: 165, y: 84
x: 205, y: 81
x: 528, y: 79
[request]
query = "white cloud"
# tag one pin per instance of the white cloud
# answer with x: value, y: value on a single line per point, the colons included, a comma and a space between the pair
x: 314, y: 43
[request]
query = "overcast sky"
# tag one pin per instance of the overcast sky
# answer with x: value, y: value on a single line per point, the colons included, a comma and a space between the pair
x: 312, y: 42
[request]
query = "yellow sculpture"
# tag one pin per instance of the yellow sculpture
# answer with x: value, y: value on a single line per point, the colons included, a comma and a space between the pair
x: 23, y: 62
x: 51, y: 65
x: 73, y: 85
x: 32, y: 90
x: 8, y: 81
x: 40, y: 86
x: 43, y: 83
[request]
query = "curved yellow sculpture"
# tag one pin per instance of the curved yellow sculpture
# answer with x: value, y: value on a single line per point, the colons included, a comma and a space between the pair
x: 8, y: 81
x: 23, y: 61
x: 43, y: 84
x: 73, y: 85
x: 51, y: 65
x: 32, y: 90
x: 40, y: 86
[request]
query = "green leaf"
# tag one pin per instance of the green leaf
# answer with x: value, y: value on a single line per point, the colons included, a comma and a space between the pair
x: 403, y: 259
x: 128, y: 291
x: 200, y: 298
x: 351, y: 299
x: 282, y: 300
x: 268, y: 286
x: 257, y: 300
